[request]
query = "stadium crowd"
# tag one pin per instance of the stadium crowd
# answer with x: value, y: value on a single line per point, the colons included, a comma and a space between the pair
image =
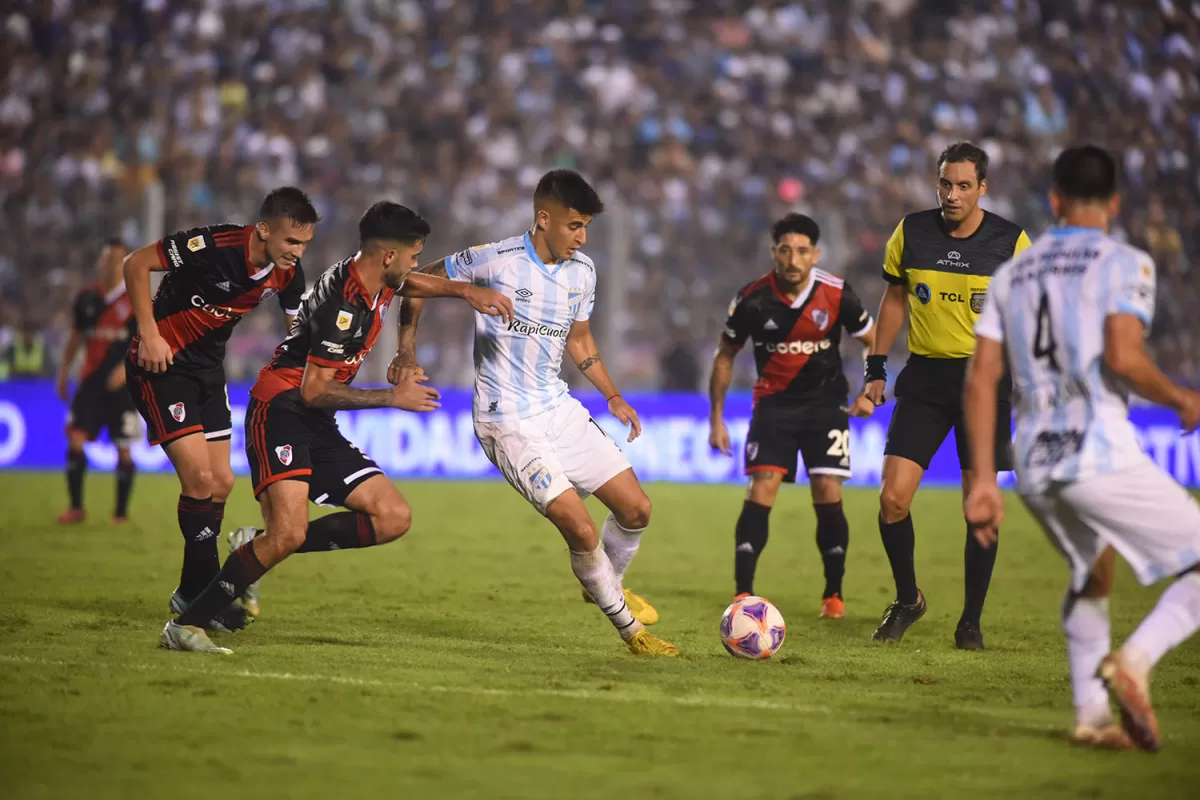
x: 702, y: 120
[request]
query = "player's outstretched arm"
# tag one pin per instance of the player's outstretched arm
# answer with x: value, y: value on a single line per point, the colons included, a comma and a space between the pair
x: 425, y: 284
x: 581, y: 347
x: 405, y: 360
x: 319, y: 388
x: 70, y: 350
x: 862, y: 405
x: 984, y: 507
x: 1125, y: 354
x: 892, y: 308
x: 154, y: 354
x: 718, y: 387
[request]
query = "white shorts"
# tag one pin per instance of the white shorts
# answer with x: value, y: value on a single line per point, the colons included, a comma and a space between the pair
x: 1149, y: 519
x: 550, y: 453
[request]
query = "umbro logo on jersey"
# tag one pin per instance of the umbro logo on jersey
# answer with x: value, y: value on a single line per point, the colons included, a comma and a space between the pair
x: 770, y: 325
x: 223, y: 286
x: 523, y: 295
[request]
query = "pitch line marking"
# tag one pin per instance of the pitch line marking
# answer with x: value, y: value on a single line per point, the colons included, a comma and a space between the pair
x: 696, y: 701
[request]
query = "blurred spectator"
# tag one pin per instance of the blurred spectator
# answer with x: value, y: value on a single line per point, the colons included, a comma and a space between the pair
x: 27, y: 352
x: 700, y: 120
x: 679, y: 369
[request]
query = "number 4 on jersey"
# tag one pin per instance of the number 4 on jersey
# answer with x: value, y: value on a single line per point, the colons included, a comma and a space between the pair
x: 1044, y: 345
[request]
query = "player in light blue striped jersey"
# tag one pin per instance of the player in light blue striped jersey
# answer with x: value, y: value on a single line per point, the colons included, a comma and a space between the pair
x: 540, y: 438
x: 1069, y: 315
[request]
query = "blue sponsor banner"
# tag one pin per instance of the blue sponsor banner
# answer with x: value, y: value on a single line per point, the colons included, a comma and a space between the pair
x: 673, y: 445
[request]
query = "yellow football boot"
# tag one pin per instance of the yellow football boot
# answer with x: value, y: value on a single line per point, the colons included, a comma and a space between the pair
x: 642, y: 611
x: 645, y: 643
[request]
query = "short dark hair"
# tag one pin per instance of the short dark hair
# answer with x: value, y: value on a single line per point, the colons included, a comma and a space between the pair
x: 290, y: 203
x: 390, y: 221
x: 568, y: 187
x: 1085, y: 172
x: 795, y: 223
x: 965, y: 151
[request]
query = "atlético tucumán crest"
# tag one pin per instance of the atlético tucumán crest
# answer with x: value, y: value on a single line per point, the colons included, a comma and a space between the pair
x: 821, y: 317
x: 284, y: 454
x: 178, y: 412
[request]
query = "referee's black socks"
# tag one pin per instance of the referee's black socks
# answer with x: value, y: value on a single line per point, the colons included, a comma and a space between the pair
x: 751, y: 535
x: 899, y: 542
x: 833, y: 537
x: 978, y: 563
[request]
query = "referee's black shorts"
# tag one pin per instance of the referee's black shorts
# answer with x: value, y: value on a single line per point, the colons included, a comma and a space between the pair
x: 929, y: 403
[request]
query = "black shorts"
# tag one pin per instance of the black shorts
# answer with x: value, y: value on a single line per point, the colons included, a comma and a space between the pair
x: 820, y: 434
x: 929, y: 403
x: 286, y: 440
x: 97, y: 408
x: 176, y: 403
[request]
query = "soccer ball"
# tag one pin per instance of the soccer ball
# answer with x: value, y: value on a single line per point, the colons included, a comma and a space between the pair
x: 752, y: 628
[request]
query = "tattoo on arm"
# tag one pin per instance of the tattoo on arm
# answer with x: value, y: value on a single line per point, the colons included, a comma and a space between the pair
x: 437, y: 269
x: 589, y: 362
x: 336, y: 396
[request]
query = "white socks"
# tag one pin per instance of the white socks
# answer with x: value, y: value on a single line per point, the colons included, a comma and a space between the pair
x: 621, y: 545
x: 1173, y: 620
x: 1089, y: 638
x: 595, y: 572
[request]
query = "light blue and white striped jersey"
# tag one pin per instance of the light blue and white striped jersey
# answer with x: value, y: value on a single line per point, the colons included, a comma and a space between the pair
x: 1048, y: 306
x: 517, y: 363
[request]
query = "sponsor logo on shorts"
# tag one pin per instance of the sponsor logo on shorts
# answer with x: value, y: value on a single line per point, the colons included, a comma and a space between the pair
x: 537, y: 474
x: 806, y: 348
x: 977, y: 299
x: 751, y: 451
x: 196, y: 243
x: 344, y: 318
x: 284, y: 454
x: 178, y: 412
x: 923, y: 293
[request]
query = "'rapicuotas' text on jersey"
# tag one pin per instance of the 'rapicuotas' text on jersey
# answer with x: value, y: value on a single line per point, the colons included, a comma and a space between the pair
x: 517, y: 363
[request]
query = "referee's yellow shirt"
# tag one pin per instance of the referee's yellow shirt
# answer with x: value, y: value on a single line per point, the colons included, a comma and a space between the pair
x: 947, y: 278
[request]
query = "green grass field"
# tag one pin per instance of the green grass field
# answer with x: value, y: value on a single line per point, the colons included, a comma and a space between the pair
x: 460, y: 662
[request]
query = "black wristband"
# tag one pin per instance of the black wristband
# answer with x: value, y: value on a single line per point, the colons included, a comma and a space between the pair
x: 876, y: 368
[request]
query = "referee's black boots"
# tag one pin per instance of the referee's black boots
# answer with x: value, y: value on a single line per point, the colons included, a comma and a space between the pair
x: 898, y: 618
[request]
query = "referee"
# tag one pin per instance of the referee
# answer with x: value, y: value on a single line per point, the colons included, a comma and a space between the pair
x: 938, y: 263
